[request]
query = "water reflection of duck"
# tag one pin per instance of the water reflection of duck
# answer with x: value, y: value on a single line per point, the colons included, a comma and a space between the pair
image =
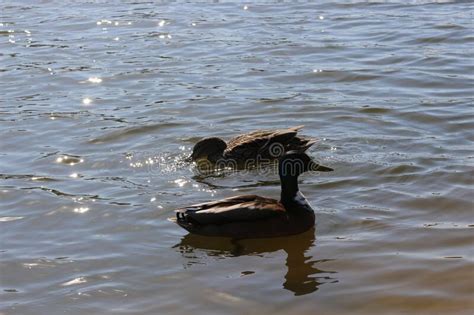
x: 252, y: 216
x: 260, y: 144
x: 302, y: 276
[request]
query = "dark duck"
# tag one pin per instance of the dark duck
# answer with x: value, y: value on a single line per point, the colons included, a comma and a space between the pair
x: 260, y: 144
x: 252, y: 216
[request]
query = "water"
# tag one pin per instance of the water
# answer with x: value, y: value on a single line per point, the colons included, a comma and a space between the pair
x: 101, y: 102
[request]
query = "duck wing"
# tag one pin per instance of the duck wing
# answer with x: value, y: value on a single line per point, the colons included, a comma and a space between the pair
x: 258, y: 142
x: 229, y: 210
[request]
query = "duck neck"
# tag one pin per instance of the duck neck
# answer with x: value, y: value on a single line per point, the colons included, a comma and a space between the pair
x: 289, y: 188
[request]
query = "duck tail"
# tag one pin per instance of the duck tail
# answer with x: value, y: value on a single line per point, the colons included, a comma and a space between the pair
x: 301, y: 144
x: 308, y: 144
x: 296, y: 128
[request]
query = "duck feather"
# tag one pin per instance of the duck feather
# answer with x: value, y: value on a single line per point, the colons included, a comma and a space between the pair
x: 230, y: 210
x: 259, y: 142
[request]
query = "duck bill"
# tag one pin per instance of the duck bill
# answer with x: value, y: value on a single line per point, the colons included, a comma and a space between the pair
x: 189, y: 159
x: 321, y: 168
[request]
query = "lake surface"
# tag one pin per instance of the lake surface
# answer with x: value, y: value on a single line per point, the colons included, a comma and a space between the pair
x: 101, y: 102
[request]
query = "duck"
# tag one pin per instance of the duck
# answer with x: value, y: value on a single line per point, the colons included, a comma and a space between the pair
x: 253, y: 216
x: 251, y: 147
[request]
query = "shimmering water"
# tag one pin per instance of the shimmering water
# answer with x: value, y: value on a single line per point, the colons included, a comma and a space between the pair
x: 101, y: 101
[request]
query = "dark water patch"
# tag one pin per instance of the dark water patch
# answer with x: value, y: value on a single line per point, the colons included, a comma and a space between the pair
x: 374, y: 110
x: 28, y: 177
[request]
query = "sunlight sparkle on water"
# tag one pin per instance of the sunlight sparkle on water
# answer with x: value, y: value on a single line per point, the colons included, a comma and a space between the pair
x: 86, y: 101
x: 104, y: 21
x: 94, y: 80
x: 68, y: 159
x: 30, y: 265
x: 180, y: 181
x: 81, y: 210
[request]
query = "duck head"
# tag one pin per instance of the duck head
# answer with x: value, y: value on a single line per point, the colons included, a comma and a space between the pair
x: 295, y: 163
x: 211, y: 149
x: 290, y: 166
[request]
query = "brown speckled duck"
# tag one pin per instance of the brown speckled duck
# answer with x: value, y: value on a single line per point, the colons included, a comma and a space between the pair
x: 252, y: 216
x: 260, y: 144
